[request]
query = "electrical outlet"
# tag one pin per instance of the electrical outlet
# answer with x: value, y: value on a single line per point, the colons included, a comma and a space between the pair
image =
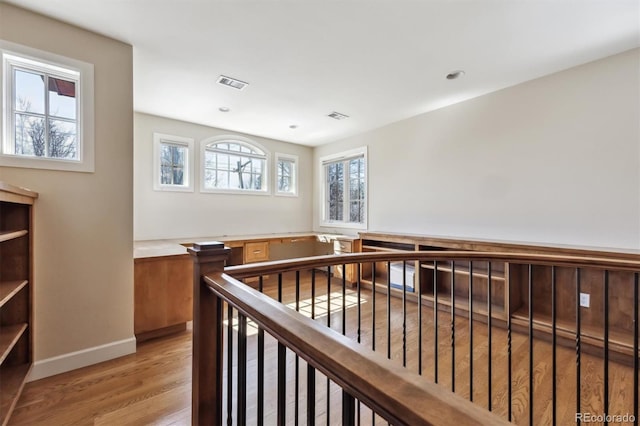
x: 584, y: 300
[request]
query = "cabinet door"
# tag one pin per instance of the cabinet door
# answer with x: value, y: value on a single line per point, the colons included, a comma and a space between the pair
x: 163, y: 293
x: 350, y: 271
x: 342, y: 246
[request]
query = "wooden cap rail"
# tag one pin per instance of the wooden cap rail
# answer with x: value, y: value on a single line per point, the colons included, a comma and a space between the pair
x: 402, y: 397
x: 501, y: 246
x: 266, y: 268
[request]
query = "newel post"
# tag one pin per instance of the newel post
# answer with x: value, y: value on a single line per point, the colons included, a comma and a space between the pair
x: 206, y: 404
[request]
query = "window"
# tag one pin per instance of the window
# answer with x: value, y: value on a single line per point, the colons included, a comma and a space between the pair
x: 344, y: 194
x: 233, y: 164
x: 286, y: 174
x: 172, y: 163
x: 48, y: 114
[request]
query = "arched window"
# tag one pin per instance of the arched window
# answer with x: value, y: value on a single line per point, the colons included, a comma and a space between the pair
x: 234, y: 165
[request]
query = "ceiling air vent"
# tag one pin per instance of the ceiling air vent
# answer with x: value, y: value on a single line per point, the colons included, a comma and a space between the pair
x: 338, y: 116
x: 232, y: 82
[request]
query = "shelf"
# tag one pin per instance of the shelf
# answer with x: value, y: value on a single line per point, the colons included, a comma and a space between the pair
x: 12, y: 383
x: 381, y: 286
x: 387, y: 249
x: 462, y: 304
x: 8, y: 289
x: 9, y: 336
x: 619, y: 339
x: 11, y: 235
x: 497, y: 275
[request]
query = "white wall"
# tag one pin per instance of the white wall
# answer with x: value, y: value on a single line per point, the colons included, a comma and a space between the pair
x: 83, y: 221
x: 553, y: 160
x: 163, y: 214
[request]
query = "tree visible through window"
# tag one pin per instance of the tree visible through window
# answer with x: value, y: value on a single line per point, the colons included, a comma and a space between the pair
x: 286, y: 174
x: 345, y: 191
x: 234, y: 165
x: 48, y: 110
x: 172, y: 163
x: 44, y: 110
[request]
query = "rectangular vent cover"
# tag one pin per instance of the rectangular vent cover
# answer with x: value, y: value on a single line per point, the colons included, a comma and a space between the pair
x: 338, y: 116
x: 232, y: 82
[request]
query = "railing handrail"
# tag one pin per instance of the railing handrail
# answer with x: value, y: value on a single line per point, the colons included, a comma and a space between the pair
x: 273, y: 267
x: 399, y: 395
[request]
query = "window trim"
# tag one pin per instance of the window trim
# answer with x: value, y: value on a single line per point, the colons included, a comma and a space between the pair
x: 158, y: 140
x: 241, y: 141
x: 85, y: 112
x: 344, y: 155
x: 280, y: 156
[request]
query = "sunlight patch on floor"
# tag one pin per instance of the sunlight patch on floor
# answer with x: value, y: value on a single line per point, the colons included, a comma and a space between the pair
x: 305, y: 307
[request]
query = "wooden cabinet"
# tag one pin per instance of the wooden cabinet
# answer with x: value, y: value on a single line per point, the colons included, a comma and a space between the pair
x: 16, y: 294
x: 256, y: 251
x: 163, y: 295
x: 343, y: 245
x: 163, y: 274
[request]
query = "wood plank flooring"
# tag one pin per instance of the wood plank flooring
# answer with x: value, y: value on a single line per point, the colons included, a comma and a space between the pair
x: 153, y: 386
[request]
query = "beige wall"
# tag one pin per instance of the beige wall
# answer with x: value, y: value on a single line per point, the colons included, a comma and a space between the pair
x: 555, y: 160
x: 83, y: 221
x: 165, y: 214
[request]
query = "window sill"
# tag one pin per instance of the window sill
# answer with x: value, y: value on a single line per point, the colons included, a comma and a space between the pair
x: 351, y: 225
x: 162, y: 188
x: 286, y: 194
x: 233, y: 192
x: 46, y: 163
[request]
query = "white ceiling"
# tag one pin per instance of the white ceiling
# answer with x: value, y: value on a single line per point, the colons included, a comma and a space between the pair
x: 376, y: 61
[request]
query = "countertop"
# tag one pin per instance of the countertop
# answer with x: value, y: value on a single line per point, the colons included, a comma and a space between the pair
x: 178, y: 246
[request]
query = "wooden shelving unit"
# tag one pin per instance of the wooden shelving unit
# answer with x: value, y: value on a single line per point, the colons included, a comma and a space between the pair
x: 510, y: 287
x: 591, y: 318
x: 442, y: 279
x: 426, y: 278
x: 16, y: 294
x: 381, y: 271
x: 620, y: 340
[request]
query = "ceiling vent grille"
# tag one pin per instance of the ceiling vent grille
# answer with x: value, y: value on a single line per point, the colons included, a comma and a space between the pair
x: 338, y: 115
x: 232, y: 82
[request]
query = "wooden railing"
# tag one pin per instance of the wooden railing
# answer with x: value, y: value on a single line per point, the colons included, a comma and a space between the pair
x: 400, y: 387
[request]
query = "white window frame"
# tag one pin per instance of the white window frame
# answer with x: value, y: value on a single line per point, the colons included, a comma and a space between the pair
x: 160, y: 139
x: 34, y: 59
x: 294, y: 172
x: 344, y: 156
x: 241, y: 141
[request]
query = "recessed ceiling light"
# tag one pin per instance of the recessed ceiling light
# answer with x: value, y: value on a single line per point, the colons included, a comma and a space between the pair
x: 455, y: 74
x: 293, y: 126
x: 224, y: 109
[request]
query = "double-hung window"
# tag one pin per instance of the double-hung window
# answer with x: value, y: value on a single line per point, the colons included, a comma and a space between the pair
x: 48, y: 110
x: 344, y: 195
x: 173, y: 163
x: 233, y: 165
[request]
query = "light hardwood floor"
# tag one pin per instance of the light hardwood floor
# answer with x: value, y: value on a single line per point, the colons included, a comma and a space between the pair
x: 154, y: 385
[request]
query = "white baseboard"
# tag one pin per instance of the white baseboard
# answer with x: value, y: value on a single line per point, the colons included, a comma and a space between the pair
x: 71, y: 361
